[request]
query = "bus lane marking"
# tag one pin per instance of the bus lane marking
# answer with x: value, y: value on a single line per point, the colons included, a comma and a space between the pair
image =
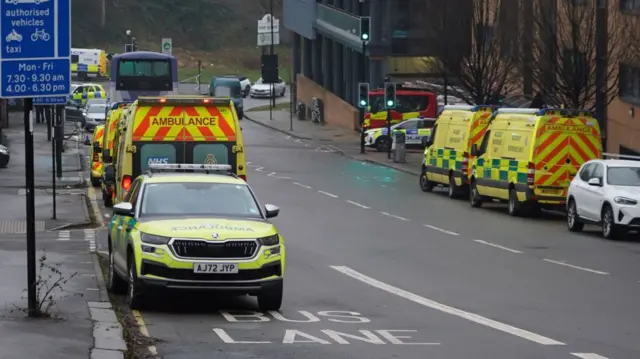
x: 472, y: 317
x: 321, y: 336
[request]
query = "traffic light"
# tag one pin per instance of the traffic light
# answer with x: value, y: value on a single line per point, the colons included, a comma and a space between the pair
x: 365, y: 28
x: 363, y: 95
x: 389, y: 95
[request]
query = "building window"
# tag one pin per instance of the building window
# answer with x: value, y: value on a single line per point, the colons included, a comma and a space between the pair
x: 574, y: 65
x: 630, y: 5
x: 484, y: 37
x: 630, y: 83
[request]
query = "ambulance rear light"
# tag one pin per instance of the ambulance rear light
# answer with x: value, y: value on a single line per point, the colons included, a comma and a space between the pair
x: 178, y: 101
x: 95, y: 157
x: 126, y: 182
x: 465, y: 162
x: 181, y: 167
x: 244, y: 177
x: 531, y: 173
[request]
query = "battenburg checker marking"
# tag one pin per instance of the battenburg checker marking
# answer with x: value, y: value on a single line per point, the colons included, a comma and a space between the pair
x: 36, y: 48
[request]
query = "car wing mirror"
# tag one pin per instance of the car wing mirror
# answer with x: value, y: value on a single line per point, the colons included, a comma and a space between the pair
x: 123, y: 209
x: 594, y: 182
x: 271, y: 210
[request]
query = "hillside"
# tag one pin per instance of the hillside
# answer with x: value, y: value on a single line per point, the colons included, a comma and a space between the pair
x: 216, y: 32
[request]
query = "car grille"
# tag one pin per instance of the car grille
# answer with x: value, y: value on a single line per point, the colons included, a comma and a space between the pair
x: 226, y: 250
x: 159, y: 270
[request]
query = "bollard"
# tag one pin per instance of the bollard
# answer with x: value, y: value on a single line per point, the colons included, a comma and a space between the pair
x: 399, y: 147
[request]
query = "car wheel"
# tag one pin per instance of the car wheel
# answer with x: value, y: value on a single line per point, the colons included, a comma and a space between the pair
x: 247, y: 90
x: 425, y: 184
x: 284, y: 91
x: 115, y: 284
x: 514, y: 203
x: 573, y: 221
x: 382, y: 144
x: 475, y: 200
x: 271, y: 299
x: 454, y: 191
x: 609, y: 228
x: 135, y: 297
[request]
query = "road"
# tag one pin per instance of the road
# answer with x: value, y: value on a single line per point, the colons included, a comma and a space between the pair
x: 378, y: 269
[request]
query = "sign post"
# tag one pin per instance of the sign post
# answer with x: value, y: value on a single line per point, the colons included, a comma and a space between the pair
x: 35, y: 61
x: 167, y: 46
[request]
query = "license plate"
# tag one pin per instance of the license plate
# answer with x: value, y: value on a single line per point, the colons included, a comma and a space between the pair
x: 221, y: 268
x: 551, y: 191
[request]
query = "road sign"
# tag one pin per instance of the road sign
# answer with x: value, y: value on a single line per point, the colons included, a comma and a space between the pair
x: 167, y: 46
x: 264, y: 24
x: 265, y: 39
x: 36, y: 48
x: 58, y: 100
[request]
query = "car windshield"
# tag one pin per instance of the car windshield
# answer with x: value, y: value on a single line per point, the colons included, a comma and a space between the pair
x: 97, y: 109
x: 623, y: 176
x: 199, y: 198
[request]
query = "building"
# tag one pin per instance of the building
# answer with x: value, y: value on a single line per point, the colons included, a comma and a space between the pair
x: 328, y: 55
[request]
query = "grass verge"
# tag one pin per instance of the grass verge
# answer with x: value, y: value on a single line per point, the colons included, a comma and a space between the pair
x: 278, y: 106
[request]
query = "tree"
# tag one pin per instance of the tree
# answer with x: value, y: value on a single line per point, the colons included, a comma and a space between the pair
x: 476, y: 42
x: 564, y: 52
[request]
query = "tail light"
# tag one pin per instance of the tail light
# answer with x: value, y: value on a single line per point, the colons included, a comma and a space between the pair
x: 95, y: 157
x: 244, y: 177
x: 531, y: 173
x: 126, y: 182
x: 465, y: 162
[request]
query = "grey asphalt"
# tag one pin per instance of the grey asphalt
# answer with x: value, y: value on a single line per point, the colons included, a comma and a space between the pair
x: 571, y: 293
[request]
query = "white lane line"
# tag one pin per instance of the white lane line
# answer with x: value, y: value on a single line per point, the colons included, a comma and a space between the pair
x: 358, y: 204
x: 575, y: 267
x: 588, y: 356
x: 301, y: 185
x: 497, y: 246
x: 441, y: 230
x: 328, y: 194
x: 394, y: 216
x: 64, y: 235
x: 248, y: 163
x: 472, y: 317
x: 259, y: 169
x: 273, y: 174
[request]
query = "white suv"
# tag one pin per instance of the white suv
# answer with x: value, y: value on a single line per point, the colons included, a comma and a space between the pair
x: 605, y: 192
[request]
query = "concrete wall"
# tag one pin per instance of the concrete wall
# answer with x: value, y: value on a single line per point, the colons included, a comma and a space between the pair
x: 622, y: 128
x: 299, y: 16
x: 336, y: 111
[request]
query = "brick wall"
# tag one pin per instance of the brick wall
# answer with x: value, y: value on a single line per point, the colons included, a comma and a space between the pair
x: 336, y: 111
x: 623, y: 129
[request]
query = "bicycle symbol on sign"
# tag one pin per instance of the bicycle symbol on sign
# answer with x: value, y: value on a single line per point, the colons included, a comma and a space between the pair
x: 40, y: 35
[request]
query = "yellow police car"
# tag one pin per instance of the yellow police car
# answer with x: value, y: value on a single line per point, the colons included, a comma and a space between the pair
x: 195, y: 227
x: 416, y: 130
x: 81, y: 92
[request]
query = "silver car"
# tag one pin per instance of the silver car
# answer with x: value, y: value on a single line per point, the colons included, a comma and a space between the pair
x: 261, y: 89
x: 95, y: 115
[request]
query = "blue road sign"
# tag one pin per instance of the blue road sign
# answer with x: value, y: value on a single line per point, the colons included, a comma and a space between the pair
x: 36, y: 48
x: 58, y: 100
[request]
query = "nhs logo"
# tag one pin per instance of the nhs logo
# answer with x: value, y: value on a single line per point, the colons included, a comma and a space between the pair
x: 158, y: 160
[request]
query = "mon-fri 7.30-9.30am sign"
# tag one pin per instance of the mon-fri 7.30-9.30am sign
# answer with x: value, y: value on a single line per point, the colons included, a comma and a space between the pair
x: 36, y: 48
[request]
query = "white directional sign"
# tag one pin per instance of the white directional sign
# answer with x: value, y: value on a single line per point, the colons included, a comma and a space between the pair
x: 265, y: 39
x: 265, y: 24
x: 167, y: 46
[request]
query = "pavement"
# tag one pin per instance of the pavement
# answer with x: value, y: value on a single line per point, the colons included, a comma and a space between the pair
x: 378, y: 269
x: 331, y: 139
x: 82, y: 323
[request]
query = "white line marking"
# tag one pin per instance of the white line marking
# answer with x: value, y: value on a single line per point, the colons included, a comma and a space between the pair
x: 107, y: 215
x: 472, y: 317
x: 307, y: 145
x: 497, y: 246
x: 394, y: 216
x: 297, y: 141
x: 588, y: 356
x: 259, y: 169
x: 441, y: 230
x: 248, y: 163
x: 575, y: 267
x: 273, y: 174
x: 93, y: 289
x: 301, y: 185
x: 358, y: 204
x: 328, y: 194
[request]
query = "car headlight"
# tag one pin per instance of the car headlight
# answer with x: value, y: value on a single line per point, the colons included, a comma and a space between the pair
x: 4, y: 150
x: 153, y: 239
x: 625, y: 200
x: 270, y: 240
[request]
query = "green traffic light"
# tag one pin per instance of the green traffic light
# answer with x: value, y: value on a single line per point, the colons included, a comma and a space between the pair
x: 363, y: 103
x: 365, y: 36
x: 390, y: 103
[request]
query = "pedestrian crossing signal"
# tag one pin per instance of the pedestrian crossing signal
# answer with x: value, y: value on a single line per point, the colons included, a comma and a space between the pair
x: 363, y: 95
x: 390, y: 95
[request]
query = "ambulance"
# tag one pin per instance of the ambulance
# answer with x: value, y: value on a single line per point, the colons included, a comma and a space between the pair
x: 528, y: 157
x: 89, y: 63
x: 177, y: 129
x: 110, y: 131
x: 96, y: 154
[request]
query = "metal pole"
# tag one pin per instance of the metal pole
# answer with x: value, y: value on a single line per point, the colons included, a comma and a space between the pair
x: 389, y: 133
x: 291, y: 105
x: 272, y: 48
x: 53, y: 164
x: 602, y: 44
x: 363, y: 110
x: 47, y: 115
x: 31, y: 208
x: 59, y: 137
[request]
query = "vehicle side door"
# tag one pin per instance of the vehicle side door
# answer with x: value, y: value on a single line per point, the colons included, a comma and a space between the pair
x: 410, y: 129
x: 593, y: 195
x: 121, y: 227
x: 577, y: 188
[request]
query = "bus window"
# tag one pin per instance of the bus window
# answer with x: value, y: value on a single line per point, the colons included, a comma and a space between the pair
x: 149, y: 68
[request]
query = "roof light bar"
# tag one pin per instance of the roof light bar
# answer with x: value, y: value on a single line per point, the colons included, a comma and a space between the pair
x: 183, y: 100
x: 522, y: 111
x: 175, y: 167
x: 459, y: 107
